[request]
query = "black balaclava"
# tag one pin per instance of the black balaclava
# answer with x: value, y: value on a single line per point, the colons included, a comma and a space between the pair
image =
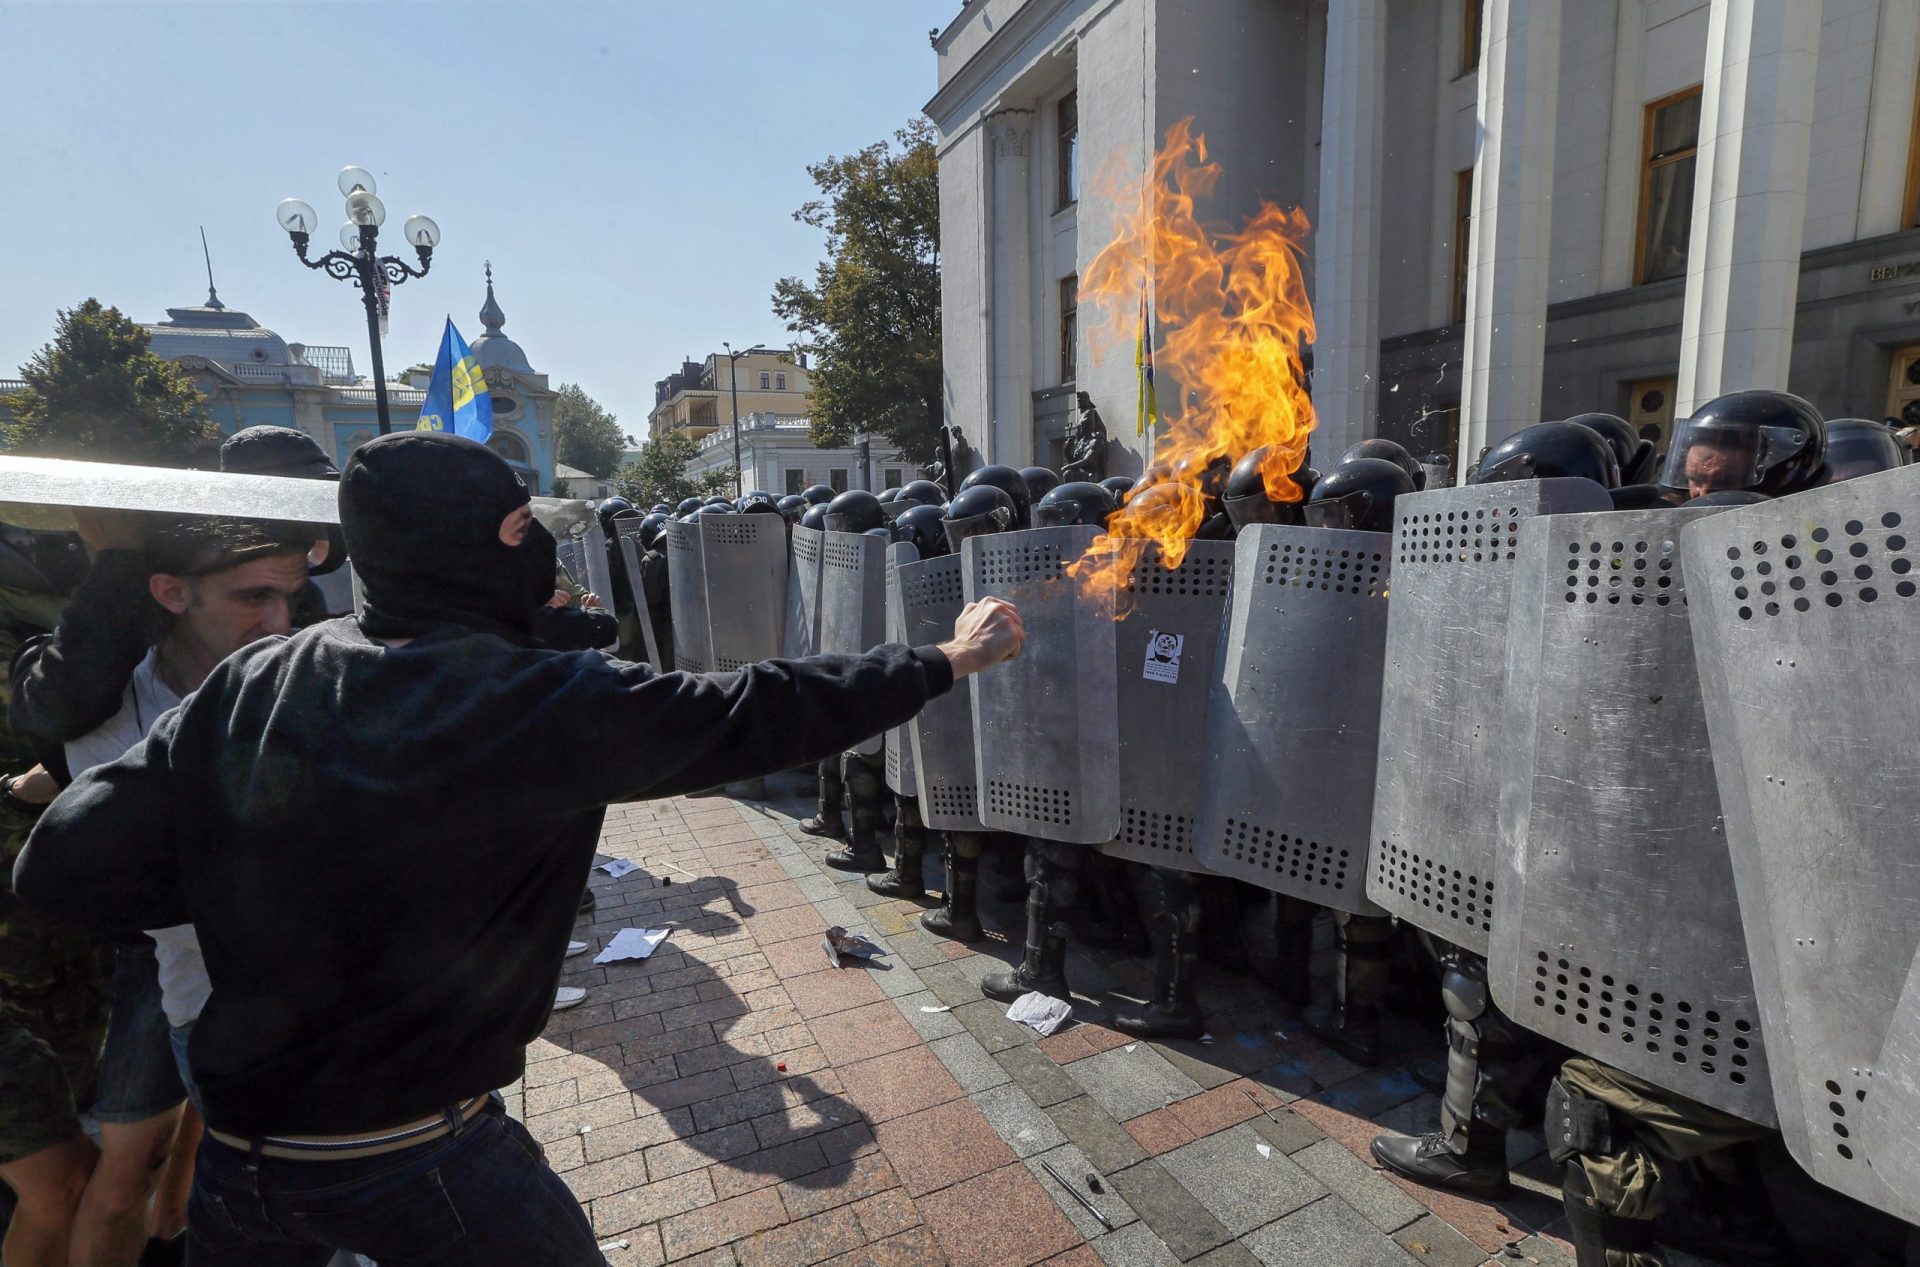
x: 421, y: 511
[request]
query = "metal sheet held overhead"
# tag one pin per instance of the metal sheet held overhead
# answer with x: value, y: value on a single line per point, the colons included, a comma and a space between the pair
x: 745, y: 561
x: 1616, y: 926
x: 1166, y: 642
x: 687, y: 594
x: 42, y: 493
x: 630, y: 559
x: 899, y: 740
x: 853, y: 601
x: 802, y: 636
x: 1803, y: 613
x: 1046, y: 724
x: 1437, y: 790
x: 931, y: 598
x: 1293, y: 726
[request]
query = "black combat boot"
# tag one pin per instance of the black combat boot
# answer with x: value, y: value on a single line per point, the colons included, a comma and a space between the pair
x: 1220, y: 943
x: 1363, y: 960
x: 908, y: 877
x: 1293, y: 943
x: 1174, y: 1009
x: 1045, y: 966
x: 957, y: 918
x: 827, y: 821
x: 1481, y: 1171
x: 863, y: 850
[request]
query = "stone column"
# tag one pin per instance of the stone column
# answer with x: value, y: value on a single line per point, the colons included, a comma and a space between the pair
x: 1346, y: 253
x: 1749, y: 197
x: 1507, y: 259
x: 1010, y: 440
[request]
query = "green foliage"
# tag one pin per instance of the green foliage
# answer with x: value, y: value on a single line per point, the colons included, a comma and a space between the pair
x: 561, y: 488
x: 660, y: 473
x: 97, y: 392
x: 589, y: 438
x: 871, y: 316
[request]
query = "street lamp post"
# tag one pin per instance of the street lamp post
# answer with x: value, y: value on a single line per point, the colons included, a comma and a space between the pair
x: 358, y: 262
x: 733, y: 385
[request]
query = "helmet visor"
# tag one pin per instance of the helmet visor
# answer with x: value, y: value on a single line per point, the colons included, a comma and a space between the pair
x: 1856, y: 451
x: 1060, y: 514
x: 1710, y: 456
x: 1349, y: 511
x: 998, y: 519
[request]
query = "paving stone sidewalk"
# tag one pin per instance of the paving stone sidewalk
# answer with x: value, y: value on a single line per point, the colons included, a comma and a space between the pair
x: 735, y: 1100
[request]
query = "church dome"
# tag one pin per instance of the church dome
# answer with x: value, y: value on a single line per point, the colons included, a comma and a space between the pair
x: 494, y: 349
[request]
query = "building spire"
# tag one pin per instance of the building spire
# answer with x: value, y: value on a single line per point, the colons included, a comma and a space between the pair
x: 490, y: 316
x: 213, y: 296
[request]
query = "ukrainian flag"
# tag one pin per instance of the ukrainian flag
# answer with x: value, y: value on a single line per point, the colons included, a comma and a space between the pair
x: 457, y: 398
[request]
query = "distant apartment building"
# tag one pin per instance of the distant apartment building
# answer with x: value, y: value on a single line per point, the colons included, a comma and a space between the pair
x: 700, y: 396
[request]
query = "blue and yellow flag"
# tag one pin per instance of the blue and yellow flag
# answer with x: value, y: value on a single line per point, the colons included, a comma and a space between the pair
x: 457, y: 398
x: 1147, y: 411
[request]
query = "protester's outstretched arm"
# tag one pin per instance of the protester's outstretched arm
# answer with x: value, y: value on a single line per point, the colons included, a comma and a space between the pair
x: 68, y: 682
x: 102, y: 854
x: 777, y: 714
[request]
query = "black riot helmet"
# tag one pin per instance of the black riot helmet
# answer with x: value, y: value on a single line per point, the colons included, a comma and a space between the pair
x: 981, y: 509
x: 791, y: 507
x: 718, y: 500
x: 1634, y: 453
x: 815, y: 516
x: 1550, y: 450
x: 1075, y: 504
x: 1769, y: 442
x: 660, y: 508
x: 1860, y: 446
x: 1167, y: 501
x: 1358, y: 494
x: 882, y: 532
x: 756, y: 503
x: 687, y: 506
x: 855, y: 510
x: 1391, y: 451
x: 1040, y: 481
x: 721, y: 507
x: 652, y: 528
x: 1119, y: 486
x: 923, y: 527
x: 914, y: 493
x: 1008, y: 481
x: 1245, y: 496
x: 818, y: 494
x: 607, y: 509
x: 888, y: 497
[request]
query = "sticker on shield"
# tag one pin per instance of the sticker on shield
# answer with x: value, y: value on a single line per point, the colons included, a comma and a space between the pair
x: 1163, y: 656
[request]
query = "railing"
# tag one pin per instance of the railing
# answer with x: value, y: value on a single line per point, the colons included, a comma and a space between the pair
x: 395, y: 395
x: 8, y: 386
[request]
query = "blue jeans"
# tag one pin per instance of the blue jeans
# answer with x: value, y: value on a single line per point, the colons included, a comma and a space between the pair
x: 482, y: 1198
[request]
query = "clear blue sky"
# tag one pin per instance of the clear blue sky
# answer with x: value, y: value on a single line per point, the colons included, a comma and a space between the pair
x: 630, y: 169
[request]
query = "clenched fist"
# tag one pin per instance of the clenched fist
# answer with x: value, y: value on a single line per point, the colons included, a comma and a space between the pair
x: 986, y: 633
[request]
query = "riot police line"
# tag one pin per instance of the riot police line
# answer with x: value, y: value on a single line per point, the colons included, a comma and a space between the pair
x: 1625, y: 738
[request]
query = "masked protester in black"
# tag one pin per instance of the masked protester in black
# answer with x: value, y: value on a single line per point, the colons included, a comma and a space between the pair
x: 380, y: 828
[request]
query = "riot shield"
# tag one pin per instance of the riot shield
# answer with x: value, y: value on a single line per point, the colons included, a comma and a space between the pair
x: 1046, y: 724
x: 900, y: 773
x: 802, y: 636
x: 1437, y: 780
x: 1616, y: 927
x: 931, y: 598
x: 1165, y: 643
x: 687, y: 593
x: 599, y: 578
x: 1802, y: 613
x: 570, y: 555
x: 41, y: 493
x: 744, y: 561
x: 853, y: 601
x: 630, y: 558
x: 1890, y: 1116
x: 1293, y: 725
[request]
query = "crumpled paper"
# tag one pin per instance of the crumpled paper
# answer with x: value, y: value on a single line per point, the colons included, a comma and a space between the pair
x: 1042, y: 1012
x: 840, y: 944
x: 632, y: 943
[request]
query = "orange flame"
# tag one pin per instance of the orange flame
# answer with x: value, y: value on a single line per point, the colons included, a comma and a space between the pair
x: 1231, y: 313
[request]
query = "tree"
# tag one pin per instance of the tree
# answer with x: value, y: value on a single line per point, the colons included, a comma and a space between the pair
x: 98, y: 392
x: 588, y: 436
x: 660, y: 473
x: 871, y: 317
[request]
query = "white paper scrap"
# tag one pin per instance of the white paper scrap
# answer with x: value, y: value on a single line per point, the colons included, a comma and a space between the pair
x: 619, y: 867
x: 1263, y: 1149
x: 1042, y: 1012
x: 632, y: 943
x: 1131, y: 1046
x: 945, y: 1007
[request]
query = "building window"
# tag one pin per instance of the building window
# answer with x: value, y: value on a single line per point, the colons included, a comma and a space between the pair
x: 509, y: 446
x: 764, y: 380
x: 1462, y: 240
x: 796, y: 480
x: 779, y: 382
x: 1650, y: 408
x: 837, y: 479
x: 1069, y: 323
x: 1067, y: 154
x: 1473, y: 16
x: 1903, y: 387
x: 1666, y: 198
x: 891, y: 479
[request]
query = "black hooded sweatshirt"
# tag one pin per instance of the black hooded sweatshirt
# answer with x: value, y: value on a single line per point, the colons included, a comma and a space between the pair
x: 382, y: 847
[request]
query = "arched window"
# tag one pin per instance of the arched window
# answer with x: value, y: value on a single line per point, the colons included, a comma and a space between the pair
x: 511, y: 447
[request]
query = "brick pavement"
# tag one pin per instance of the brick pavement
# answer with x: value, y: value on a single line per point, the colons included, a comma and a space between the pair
x: 733, y: 1100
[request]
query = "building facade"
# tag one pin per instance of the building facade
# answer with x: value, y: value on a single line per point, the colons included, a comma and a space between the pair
x: 251, y: 377
x: 778, y: 456
x: 1522, y: 209
x: 701, y: 395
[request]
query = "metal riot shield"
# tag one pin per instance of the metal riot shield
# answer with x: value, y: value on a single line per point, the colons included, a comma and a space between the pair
x: 687, y: 593
x: 804, y: 551
x: 1437, y: 782
x: 931, y: 598
x: 630, y: 559
x: 1293, y: 725
x: 1893, y: 1112
x: 1802, y: 612
x: 1165, y: 645
x: 568, y: 552
x: 1046, y: 724
x: 853, y: 601
x: 593, y: 547
x: 1616, y: 927
x: 744, y: 561
x: 900, y: 773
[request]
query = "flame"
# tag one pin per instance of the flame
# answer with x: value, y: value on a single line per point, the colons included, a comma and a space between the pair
x: 1230, y: 314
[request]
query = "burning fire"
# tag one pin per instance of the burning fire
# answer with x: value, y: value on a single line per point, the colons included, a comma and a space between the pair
x: 1230, y: 313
